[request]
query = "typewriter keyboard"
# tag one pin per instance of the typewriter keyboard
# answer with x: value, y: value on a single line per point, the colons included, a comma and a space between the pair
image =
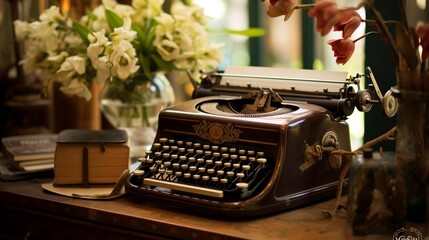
x: 202, y: 169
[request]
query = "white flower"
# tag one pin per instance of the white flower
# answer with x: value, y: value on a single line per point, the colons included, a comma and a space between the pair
x: 72, y: 66
x: 52, y: 14
x: 146, y: 9
x: 103, y: 69
x: 78, y: 88
x: 98, y: 43
x: 168, y: 49
x: 194, y: 13
x: 123, y: 33
x: 123, y: 59
x: 100, y: 21
x: 22, y: 29
x: 45, y: 34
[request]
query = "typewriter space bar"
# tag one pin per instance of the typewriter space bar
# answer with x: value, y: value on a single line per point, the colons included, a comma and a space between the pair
x: 184, y: 188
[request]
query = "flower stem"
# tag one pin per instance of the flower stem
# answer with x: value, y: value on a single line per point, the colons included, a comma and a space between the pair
x: 366, y: 34
x: 402, y: 5
x: 386, y: 22
x: 302, y: 6
x: 383, y: 29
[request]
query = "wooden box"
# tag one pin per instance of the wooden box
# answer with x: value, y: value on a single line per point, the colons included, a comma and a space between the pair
x: 90, y: 157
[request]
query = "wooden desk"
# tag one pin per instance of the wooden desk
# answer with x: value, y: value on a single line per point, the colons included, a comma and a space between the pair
x: 27, y: 210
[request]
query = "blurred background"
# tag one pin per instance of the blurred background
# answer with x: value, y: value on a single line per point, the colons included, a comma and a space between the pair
x: 291, y: 44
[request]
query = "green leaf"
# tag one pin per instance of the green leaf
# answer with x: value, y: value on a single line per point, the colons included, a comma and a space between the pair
x: 139, y: 31
x: 162, y: 64
x: 82, y: 31
x: 113, y: 19
x: 250, y: 32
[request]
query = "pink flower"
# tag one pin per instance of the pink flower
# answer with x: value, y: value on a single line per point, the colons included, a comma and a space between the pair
x: 423, y: 33
x: 281, y: 7
x: 343, y: 49
x: 349, y: 21
x: 326, y: 14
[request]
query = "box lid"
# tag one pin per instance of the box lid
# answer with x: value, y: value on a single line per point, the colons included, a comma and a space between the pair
x: 91, y: 136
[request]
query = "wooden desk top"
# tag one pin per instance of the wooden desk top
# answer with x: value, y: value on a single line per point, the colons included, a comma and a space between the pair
x: 303, y: 223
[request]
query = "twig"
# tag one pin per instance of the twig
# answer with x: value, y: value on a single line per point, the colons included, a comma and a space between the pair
x: 390, y: 135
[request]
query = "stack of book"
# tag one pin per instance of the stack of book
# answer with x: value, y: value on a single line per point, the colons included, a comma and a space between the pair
x: 31, y: 152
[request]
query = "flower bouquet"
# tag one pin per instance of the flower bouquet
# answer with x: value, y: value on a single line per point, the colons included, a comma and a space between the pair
x: 116, y: 42
x: 126, y: 49
x: 409, y: 46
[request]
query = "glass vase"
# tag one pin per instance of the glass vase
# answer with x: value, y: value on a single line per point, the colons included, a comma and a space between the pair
x: 376, y: 199
x: 134, y: 105
x: 412, y: 149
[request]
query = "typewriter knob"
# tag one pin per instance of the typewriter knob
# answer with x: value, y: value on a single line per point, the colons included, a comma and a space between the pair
x: 362, y: 100
x: 389, y: 104
x: 331, y: 140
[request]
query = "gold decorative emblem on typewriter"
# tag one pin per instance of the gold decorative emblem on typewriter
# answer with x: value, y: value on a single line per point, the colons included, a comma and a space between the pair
x: 217, y: 133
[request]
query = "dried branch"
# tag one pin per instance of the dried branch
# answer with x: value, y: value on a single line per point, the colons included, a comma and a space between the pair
x: 388, y: 136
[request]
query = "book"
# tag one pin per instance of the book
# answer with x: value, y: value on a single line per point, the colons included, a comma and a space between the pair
x: 90, y: 157
x: 9, y: 171
x: 38, y: 167
x: 34, y: 162
x: 30, y: 147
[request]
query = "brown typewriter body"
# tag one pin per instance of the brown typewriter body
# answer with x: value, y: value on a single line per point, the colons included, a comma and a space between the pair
x: 211, y: 155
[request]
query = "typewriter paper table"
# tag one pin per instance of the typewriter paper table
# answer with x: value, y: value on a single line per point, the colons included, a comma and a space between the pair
x: 26, y: 210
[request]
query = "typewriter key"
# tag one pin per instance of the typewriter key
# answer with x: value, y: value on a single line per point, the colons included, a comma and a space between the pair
x: 200, y: 152
x: 261, y: 160
x: 138, y: 172
x: 242, y: 185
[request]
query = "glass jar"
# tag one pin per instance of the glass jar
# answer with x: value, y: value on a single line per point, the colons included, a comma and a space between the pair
x: 134, y: 105
x: 376, y: 200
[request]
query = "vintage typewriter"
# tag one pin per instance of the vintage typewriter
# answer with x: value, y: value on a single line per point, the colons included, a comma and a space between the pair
x: 239, y: 147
